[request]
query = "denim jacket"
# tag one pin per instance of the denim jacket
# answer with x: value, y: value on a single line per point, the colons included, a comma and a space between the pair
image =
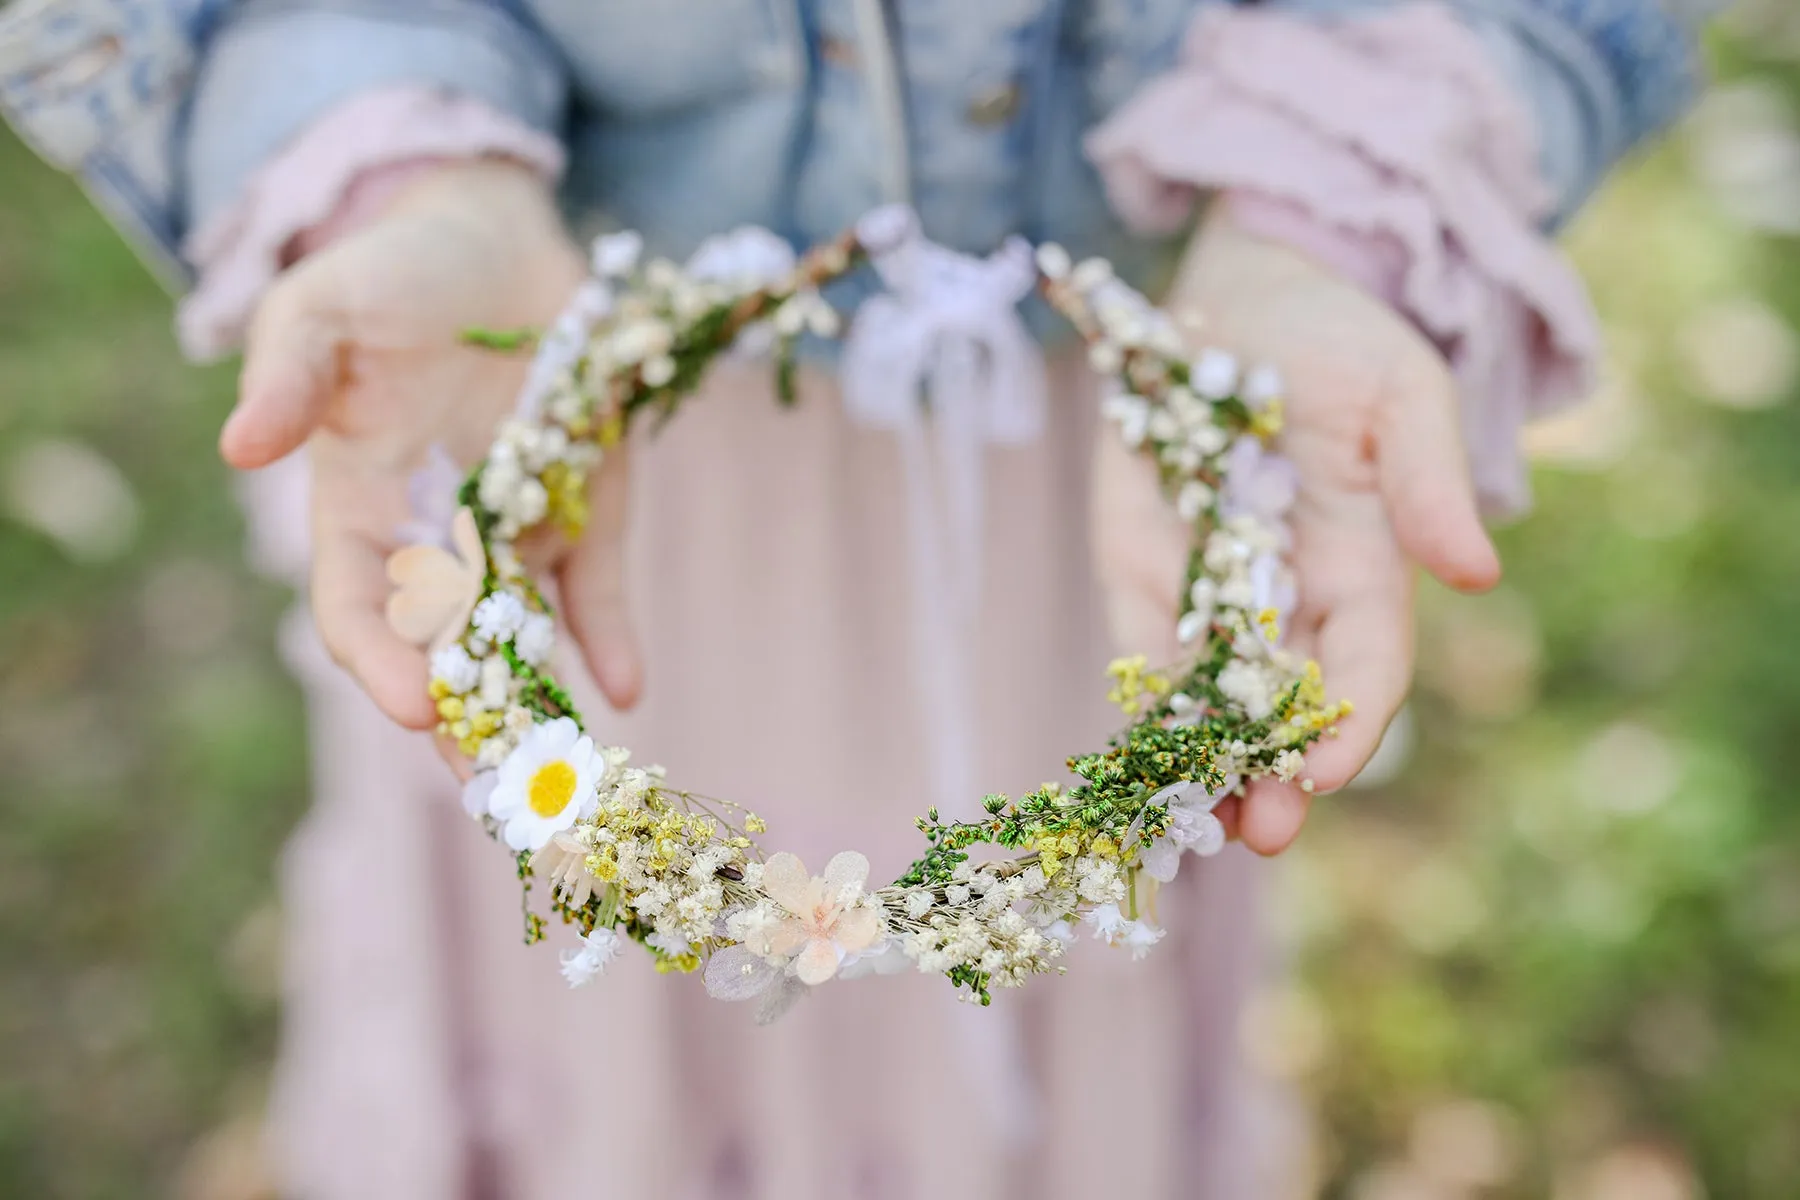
x: 684, y: 117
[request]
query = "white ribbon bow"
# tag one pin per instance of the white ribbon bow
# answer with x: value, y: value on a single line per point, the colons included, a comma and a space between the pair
x: 949, y: 327
x: 949, y: 324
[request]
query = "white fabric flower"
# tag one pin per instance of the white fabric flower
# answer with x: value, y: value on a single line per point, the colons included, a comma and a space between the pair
x: 827, y: 920
x: 1192, y: 827
x: 584, y: 965
x: 548, y: 782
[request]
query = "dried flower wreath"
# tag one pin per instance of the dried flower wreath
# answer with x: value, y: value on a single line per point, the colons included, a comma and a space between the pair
x: 629, y: 855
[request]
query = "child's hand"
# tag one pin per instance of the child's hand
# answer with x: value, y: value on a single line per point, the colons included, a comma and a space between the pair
x: 1372, y: 428
x: 354, y: 352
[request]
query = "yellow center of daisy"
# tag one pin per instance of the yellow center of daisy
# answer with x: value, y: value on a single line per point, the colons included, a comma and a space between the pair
x: 551, y: 788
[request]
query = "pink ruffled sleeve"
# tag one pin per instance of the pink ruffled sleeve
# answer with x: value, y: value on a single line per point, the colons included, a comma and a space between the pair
x: 1390, y: 148
x: 333, y: 176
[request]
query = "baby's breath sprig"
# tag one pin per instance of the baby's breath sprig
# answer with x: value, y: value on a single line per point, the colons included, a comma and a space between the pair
x: 629, y: 857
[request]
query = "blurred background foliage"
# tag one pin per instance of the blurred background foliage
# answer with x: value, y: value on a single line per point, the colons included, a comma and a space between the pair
x: 1550, y: 947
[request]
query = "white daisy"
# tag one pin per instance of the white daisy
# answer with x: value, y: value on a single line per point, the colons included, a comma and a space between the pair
x: 546, y: 784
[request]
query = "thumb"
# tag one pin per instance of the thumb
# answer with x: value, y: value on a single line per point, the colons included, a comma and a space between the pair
x: 291, y: 369
x: 593, y: 589
x: 1424, y: 479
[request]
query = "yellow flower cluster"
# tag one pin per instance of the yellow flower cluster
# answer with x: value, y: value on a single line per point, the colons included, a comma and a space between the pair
x: 1054, y: 849
x: 1133, y: 682
x: 456, y: 722
x: 1311, y: 713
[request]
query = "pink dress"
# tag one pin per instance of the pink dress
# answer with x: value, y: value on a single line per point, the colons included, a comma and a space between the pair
x: 421, y: 1031
x: 428, y: 1054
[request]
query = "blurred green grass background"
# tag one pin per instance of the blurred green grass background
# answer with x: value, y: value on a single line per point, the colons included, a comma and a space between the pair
x: 1552, y: 950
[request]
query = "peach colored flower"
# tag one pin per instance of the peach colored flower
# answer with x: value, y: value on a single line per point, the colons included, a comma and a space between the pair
x: 435, y: 589
x: 826, y: 920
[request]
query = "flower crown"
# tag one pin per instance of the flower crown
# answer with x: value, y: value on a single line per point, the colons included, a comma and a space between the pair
x: 629, y: 855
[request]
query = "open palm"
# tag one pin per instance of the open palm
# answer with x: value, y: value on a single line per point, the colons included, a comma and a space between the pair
x: 1372, y: 429
x: 354, y: 353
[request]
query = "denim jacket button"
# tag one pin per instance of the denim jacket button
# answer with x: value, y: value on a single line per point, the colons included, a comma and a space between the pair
x: 995, y: 105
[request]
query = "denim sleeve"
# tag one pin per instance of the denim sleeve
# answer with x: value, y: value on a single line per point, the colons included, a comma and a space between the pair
x: 273, y: 66
x: 1598, y: 76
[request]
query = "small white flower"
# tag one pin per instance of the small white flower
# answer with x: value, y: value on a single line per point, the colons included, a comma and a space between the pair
x: 746, y: 259
x: 1208, y: 440
x: 1248, y: 686
x: 1140, y: 936
x: 822, y: 319
x: 1238, y: 592
x: 1288, y: 764
x: 673, y: 945
x: 459, y: 672
x: 598, y: 949
x: 499, y: 616
x: 1192, y: 500
x: 1091, y: 273
x: 885, y: 229
x: 549, y: 781
x: 536, y: 638
x: 1261, y: 385
x: 1106, y: 358
x: 918, y: 904
x: 530, y: 501
x: 1133, y: 416
x: 658, y: 371
x: 616, y: 254
x: 496, y: 682
x: 1203, y: 595
x: 1053, y: 261
x: 956, y: 893
x: 1106, y: 921
x: 1214, y: 374
x: 790, y: 318
x: 493, y: 752
x: 1191, y: 626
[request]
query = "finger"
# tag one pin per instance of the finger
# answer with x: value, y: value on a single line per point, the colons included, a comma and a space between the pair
x: 1271, y: 814
x: 349, y: 589
x: 291, y: 370
x: 452, y: 754
x: 1365, y: 654
x: 1424, y: 480
x: 593, y: 590
x: 1139, y: 545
